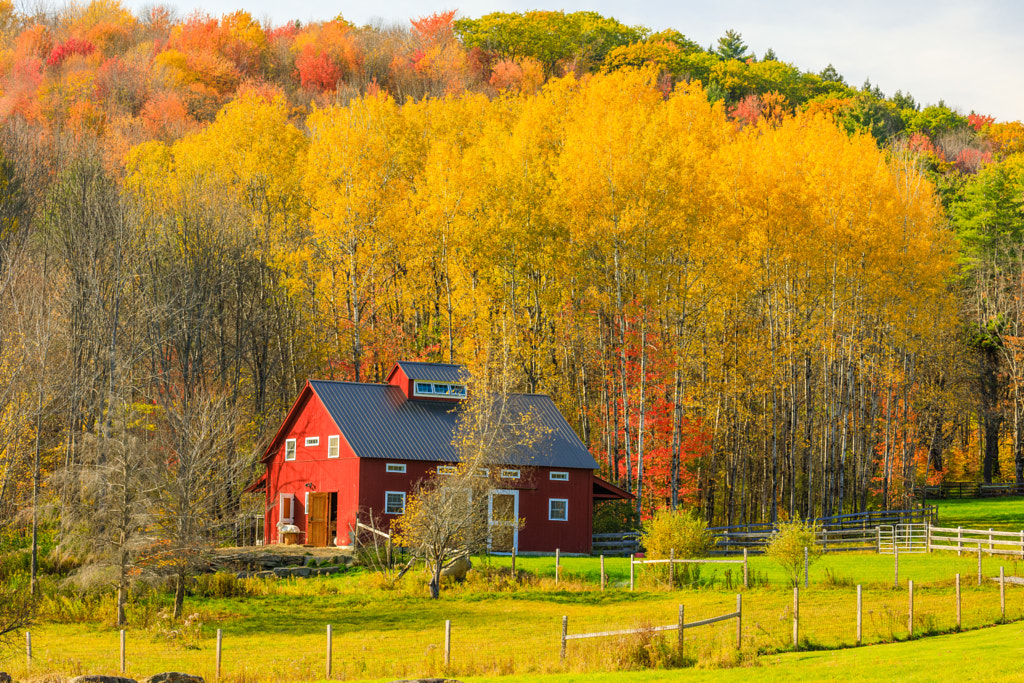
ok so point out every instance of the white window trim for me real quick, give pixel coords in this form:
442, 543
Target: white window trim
289, 445
452, 389
482, 472
558, 500
305, 502
334, 446
447, 470
558, 476
312, 440
394, 493
395, 467
510, 474
281, 518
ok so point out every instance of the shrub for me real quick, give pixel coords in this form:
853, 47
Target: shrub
683, 534
787, 548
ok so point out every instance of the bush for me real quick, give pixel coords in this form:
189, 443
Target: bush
787, 548
683, 534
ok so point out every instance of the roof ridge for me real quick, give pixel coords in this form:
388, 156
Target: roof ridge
358, 384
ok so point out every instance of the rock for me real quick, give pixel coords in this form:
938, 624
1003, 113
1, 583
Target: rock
282, 572
243, 575
5, 677
327, 571
348, 560
301, 572
426, 680
173, 677
457, 568
310, 562
101, 679
264, 575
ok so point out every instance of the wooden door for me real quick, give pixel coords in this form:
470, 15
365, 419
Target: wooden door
504, 520
317, 520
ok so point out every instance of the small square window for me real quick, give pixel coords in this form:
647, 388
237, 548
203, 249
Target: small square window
398, 468
458, 390
424, 388
483, 472
510, 474
441, 389
558, 509
333, 446
446, 470
312, 440
289, 449
559, 476
394, 502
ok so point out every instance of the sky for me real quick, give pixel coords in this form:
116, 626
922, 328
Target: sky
963, 52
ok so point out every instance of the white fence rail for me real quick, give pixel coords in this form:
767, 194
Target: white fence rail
971, 540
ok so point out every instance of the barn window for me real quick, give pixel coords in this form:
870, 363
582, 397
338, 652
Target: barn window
287, 508
559, 476
424, 388
398, 468
333, 444
289, 449
394, 502
483, 472
458, 390
446, 470
510, 474
312, 440
558, 509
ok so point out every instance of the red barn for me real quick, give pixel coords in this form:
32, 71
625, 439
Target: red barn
347, 448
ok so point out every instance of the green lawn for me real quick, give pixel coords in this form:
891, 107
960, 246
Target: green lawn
1004, 514
277, 631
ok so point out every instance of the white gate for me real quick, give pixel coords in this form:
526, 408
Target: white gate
909, 538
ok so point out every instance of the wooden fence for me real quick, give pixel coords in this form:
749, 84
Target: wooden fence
971, 489
672, 562
680, 626
976, 540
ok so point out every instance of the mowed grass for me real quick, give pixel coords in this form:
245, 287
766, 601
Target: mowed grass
511, 631
279, 632
1002, 514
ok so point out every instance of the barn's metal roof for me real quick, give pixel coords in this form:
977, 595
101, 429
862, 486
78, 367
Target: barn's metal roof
434, 372
379, 422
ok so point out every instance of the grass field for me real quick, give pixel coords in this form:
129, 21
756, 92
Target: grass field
1003, 514
275, 630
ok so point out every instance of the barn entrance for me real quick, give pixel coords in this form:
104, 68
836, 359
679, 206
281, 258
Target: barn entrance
318, 522
503, 520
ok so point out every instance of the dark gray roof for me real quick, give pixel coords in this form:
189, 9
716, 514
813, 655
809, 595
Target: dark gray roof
379, 422
434, 372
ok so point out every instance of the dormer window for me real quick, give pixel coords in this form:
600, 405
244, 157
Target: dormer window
440, 390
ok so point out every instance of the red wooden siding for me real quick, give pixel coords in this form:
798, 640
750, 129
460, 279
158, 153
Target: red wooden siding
311, 466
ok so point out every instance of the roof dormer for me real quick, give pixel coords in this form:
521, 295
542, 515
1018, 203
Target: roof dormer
430, 381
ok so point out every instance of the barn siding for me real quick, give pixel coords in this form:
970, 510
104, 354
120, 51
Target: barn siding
311, 465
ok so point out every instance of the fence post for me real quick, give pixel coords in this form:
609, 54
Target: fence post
513, 563
958, 621
990, 540
746, 572
631, 571
602, 572
796, 617
806, 576
1002, 595
895, 562
860, 614
565, 632
682, 626
825, 539
979, 563
558, 564
959, 541
330, 650
928, 539
1022, 545
448, 642
739, 621
671, 568
28, 649
220, 639
122, 650
878, 532
910, 611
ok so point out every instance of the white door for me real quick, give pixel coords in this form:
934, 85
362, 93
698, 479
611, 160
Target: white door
503, 520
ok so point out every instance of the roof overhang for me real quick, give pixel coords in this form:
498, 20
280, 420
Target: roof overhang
604, 490
258, 485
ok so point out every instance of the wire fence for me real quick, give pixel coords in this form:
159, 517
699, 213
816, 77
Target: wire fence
518, 630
